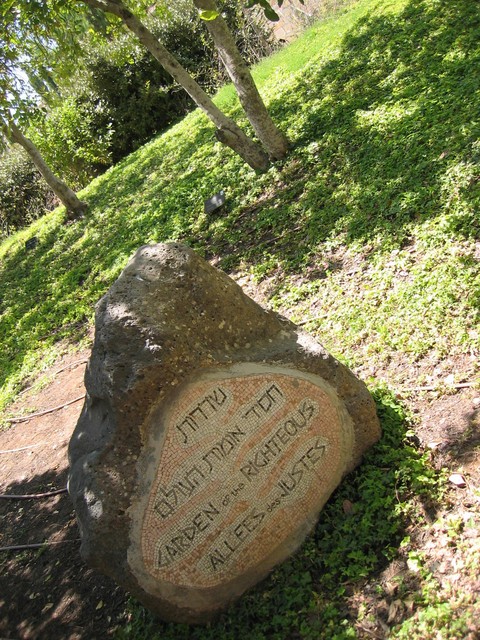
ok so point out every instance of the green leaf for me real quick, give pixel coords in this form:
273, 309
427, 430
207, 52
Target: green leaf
271, 14
7, 6
208, 15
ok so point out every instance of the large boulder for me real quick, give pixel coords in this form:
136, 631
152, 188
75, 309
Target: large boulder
212, 434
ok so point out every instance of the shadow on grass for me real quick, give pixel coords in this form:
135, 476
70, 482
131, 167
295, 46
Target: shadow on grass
387, 135
49, 593
385, 141
357, 535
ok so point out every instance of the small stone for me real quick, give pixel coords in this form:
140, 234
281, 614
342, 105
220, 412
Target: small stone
31, 243
215, 202
476, 402
458, 480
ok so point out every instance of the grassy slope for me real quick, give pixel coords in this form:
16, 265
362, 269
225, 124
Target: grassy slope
369, 231
385, 126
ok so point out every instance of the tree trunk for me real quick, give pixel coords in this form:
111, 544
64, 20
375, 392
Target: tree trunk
228, 131
274, 141
73, 205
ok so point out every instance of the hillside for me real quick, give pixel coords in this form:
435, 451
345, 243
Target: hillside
368, 235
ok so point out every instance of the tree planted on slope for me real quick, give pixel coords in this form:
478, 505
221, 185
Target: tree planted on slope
228, 132
15, 102
274, 141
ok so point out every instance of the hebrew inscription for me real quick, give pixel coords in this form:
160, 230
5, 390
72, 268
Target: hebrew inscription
241, 462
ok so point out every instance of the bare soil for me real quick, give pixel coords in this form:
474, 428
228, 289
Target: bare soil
48, 592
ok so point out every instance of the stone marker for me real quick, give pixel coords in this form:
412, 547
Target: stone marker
31, 243
215, 202
212, 435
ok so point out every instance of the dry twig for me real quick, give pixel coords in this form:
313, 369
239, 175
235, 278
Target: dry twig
30, 446
42, 413
71, 365
30, 496
312, 319
37, 545
459, 385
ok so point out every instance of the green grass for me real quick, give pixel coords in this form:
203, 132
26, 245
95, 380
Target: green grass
381, 103
369, 233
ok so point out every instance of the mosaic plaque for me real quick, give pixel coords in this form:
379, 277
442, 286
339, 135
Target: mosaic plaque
242, 460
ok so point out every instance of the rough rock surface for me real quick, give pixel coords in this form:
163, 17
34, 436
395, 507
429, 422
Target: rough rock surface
212, 434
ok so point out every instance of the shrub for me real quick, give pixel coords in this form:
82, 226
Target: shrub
24, 195
130, 95
70, 143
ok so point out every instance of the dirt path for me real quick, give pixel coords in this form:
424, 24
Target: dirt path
48, 592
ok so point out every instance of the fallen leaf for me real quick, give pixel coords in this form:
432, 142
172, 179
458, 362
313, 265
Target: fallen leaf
99, 605
443, 567
347, 507
394, 609
391, 587
48, 606
410, 604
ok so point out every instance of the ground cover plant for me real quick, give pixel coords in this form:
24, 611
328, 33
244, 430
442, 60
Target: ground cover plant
369, 235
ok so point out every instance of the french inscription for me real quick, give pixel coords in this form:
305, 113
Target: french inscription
290, 481
229, 543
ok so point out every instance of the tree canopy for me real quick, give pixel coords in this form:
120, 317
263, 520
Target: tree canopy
27, 33
60, 21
